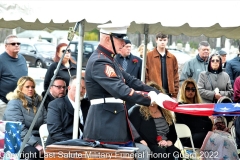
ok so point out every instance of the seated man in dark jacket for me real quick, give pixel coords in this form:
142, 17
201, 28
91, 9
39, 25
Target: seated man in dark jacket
57, 90
60, 115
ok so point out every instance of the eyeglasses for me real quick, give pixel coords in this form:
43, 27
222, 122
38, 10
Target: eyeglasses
215, 60
68, 50
14, 43
30, 87
59, 87
193, 89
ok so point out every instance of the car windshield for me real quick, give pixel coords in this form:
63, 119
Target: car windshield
45, 47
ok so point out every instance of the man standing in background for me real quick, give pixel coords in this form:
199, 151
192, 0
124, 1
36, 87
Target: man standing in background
223, 55
162, 67
195, 66
130, 63
12, 67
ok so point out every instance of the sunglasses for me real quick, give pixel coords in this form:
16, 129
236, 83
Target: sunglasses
59, 87
190, 89
14, 43
68, 50
30, 87
215, 60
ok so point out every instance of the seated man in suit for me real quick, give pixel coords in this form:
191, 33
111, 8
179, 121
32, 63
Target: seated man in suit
130, 63
61, 114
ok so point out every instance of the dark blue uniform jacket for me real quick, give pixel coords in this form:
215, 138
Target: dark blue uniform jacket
108, 122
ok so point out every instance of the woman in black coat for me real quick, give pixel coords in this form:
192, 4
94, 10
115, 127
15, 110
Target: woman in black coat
155, 126
67, 69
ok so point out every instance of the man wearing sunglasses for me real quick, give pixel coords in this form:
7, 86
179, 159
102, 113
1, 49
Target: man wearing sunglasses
12, 67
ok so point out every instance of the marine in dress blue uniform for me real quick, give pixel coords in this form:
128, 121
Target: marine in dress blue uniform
108, 85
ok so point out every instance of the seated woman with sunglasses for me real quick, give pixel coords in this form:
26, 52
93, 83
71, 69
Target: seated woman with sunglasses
67, 69
22, 107
155, 126
214, 83
199, 125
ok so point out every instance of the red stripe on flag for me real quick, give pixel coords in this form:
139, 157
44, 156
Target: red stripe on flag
203, 109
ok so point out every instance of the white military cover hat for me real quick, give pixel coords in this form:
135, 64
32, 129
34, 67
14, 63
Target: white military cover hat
116, 30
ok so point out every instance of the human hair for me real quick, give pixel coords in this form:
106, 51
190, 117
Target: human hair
56, 57
161, 35
59, 78
203, 43
144, 110
183, 98
220, 63
18, 94
9, 37
72, 78
141, 50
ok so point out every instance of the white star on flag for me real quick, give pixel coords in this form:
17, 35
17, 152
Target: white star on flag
236, 105
224, 109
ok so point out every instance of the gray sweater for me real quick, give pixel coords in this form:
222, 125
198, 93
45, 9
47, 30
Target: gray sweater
11, 69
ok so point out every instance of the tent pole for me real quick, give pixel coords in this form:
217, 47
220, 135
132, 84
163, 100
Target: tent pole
146, 28
78, 85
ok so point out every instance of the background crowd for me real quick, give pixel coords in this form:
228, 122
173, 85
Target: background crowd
204, 79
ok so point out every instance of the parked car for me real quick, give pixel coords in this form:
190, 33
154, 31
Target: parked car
88, 48
181, 56
38, 54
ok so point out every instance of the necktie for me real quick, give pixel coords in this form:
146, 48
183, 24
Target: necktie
124, 65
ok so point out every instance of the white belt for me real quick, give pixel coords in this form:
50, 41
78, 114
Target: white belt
105, 100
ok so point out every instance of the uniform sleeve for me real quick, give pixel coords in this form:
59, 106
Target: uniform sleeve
105, 75
54, 123
229, 72
48, 76
203, 91
14, 113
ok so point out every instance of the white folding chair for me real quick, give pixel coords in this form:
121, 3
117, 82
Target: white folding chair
43, 131
183, 131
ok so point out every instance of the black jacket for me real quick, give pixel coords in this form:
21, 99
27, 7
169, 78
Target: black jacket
60, 118
147, 128
63, 72
196, 124
134, 67
48, 99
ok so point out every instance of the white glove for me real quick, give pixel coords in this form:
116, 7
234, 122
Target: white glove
153, 96
216, 90
163, 97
